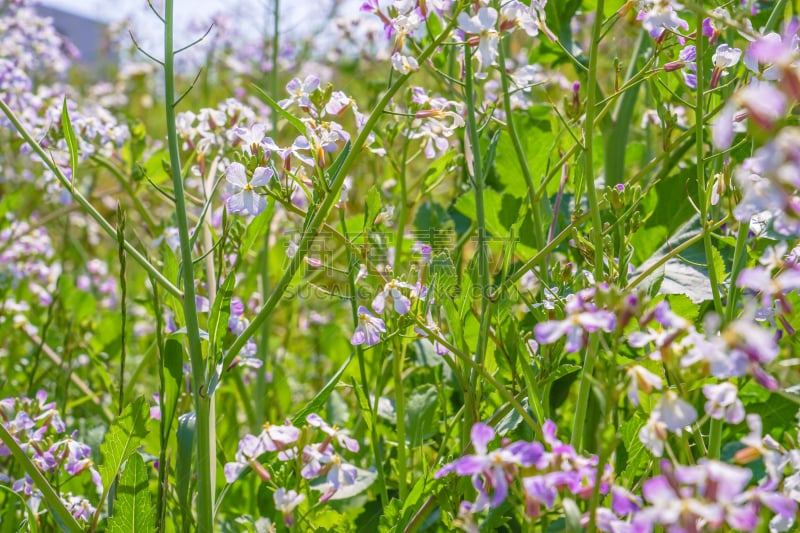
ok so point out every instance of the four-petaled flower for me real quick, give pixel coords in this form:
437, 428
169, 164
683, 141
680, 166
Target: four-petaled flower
244, 197
369, 329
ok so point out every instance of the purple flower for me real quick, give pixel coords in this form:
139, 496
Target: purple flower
402, 304
300, 92
723, 402
581, 317
250, 447
492, 471
759, 279
333, 432
369, 329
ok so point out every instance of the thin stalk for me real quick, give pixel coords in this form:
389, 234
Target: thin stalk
480, 218
85, 204
109, 165
123, 306
318, 219
276, 13
203, 467
263, 347
584, 390
738, 263
398, 358
362, 367
520, 151
699, 114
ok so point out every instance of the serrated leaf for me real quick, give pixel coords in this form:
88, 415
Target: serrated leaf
132, 508
123, 438
173, 377
637, 454
72, 142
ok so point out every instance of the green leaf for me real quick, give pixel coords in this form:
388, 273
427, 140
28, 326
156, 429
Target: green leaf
294, 121
337, 164
183, 464
636, 454
317, 402
257, 227
421, 414
132, 508
173, 377
372, 206
537, 141
220, 311
123, 438
72, 141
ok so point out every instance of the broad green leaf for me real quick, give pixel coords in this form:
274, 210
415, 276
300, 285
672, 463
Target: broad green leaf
636, 454
537, 141
72, 142
173, 378
123, 439
132, 509
422, 420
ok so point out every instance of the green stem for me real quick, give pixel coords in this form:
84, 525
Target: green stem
261, 376
203, 467
584, 390
398, 358
520, 151
85, 204
699, 114
739, 261
480, 221
362, 367
318, 219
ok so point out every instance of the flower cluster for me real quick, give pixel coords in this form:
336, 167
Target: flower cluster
700, 497
37, 427
320, 463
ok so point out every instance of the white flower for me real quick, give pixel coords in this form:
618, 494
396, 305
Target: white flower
244, 197
482, 25
674, 412
404, 64
641, 378
725, 56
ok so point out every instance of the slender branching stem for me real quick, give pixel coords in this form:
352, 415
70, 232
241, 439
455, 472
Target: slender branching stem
203, 437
